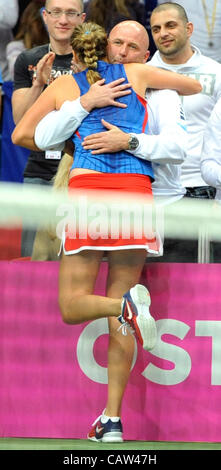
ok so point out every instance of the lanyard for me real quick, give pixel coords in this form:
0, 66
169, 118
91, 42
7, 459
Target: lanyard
210, 26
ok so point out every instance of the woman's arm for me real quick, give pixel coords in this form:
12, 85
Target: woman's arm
184, 85
62, 89
154, 77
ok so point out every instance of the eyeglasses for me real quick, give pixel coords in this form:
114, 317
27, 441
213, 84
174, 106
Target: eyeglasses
71, 14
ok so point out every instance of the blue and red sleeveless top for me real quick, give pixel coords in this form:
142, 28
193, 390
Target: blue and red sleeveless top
134, 118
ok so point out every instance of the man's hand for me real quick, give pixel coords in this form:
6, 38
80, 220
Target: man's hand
23, 98
44, 67
100, 95
75, 67
109, 141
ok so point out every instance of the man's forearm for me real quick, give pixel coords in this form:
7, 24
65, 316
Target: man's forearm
168, 147
58, 126
24, 98
87, 102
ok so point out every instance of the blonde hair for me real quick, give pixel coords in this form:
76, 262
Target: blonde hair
60, 183
89, 41
61, 178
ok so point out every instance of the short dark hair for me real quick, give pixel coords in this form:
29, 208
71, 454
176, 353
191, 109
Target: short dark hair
169, 5
81, 4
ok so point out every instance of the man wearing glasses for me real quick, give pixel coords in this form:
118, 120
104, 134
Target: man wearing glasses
36, 68
32, 66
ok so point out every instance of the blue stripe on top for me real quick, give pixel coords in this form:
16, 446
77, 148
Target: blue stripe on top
130, 119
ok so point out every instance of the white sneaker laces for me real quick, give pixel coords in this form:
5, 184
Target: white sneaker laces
125, 327
96, 420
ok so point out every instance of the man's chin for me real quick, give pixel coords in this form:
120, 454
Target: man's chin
167, 51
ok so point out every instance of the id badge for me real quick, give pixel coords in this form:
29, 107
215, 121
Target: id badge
53, 155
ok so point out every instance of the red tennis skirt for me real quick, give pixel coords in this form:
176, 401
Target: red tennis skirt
112, 212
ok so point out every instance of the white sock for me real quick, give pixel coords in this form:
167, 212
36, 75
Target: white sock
105, 418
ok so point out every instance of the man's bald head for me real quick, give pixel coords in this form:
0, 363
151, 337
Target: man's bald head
128, 42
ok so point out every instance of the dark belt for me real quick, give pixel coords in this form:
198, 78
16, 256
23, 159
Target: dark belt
201, 192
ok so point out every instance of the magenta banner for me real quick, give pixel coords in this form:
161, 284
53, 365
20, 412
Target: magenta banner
54, 376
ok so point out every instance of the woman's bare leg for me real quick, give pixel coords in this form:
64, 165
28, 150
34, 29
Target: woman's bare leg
77, 278
78, 304
125, 268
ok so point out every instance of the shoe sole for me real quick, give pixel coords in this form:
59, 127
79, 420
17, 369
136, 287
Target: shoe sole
108, 437
145, 321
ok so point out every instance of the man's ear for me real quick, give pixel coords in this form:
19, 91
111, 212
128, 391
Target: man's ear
146, 57
189, 28
83, 17
44, 16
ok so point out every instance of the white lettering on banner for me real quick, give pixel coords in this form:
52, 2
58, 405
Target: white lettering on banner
213, 329
170, 352
85, 353
163, 350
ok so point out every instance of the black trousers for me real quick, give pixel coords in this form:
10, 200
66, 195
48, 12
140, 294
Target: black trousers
186, 250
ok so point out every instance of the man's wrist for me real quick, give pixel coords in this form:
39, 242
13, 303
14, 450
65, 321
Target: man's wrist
87, 102
38, 86
133, 142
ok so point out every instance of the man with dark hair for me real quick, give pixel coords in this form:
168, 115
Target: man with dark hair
179, 8
206, 17
172, 32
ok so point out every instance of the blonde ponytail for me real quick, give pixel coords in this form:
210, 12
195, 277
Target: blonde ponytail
89, 41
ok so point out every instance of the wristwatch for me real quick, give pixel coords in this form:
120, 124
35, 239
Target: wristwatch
133, 142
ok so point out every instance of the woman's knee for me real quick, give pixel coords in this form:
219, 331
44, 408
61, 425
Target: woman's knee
68, 309
64, 306
71, 304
